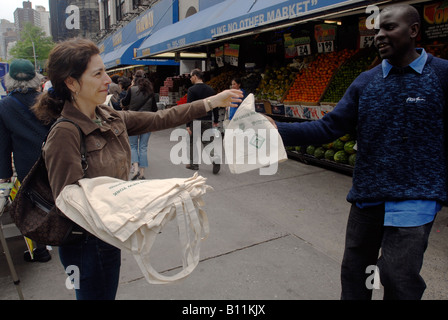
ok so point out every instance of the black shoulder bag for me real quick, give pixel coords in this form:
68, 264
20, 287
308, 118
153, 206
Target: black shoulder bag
34, 211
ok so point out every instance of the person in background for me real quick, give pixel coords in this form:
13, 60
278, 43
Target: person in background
123, 85
139, 97
21, 133
114, 90
236, 84
79, 91
398, 187
200, 91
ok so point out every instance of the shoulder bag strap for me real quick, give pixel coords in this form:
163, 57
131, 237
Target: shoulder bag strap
83, 143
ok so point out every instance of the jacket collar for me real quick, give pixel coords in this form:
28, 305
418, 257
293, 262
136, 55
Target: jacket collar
85, 123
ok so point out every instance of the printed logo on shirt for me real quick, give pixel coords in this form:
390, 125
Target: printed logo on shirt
415, 100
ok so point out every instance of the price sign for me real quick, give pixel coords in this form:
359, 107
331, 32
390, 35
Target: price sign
325, 47
304, 50
366, 41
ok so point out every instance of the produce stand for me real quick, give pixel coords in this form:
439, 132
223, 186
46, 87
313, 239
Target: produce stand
300, 72
309, 159
323, 163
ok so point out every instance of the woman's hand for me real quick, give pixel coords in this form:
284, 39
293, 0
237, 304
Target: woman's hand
224, 98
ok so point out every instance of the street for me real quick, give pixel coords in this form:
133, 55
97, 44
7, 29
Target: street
278, 237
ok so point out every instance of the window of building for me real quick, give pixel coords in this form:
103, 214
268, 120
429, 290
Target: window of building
106, 9
136, 3
120, 9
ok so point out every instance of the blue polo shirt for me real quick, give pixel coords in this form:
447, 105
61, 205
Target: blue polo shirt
409, 213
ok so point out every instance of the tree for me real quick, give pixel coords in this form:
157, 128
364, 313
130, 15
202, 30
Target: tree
24, 47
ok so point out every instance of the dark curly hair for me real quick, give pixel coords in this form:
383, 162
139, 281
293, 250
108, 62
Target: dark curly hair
67, 59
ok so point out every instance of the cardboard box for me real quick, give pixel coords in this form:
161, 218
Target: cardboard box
278, 109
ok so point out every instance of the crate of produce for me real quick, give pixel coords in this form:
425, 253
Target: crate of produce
347, 73
310, 84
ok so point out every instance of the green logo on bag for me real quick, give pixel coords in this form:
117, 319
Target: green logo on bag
257, 141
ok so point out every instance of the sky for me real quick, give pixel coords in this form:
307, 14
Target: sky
8, 7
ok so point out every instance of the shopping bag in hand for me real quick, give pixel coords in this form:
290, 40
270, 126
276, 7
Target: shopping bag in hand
252, 142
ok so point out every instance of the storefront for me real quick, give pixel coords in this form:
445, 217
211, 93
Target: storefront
297, 57
120, 49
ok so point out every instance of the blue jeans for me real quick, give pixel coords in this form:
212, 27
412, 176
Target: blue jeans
99, 267
139, 149
401, 259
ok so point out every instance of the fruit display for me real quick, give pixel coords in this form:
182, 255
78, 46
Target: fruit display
346, 74
275, 82
224, 79
309, 85
437, 49
342, 150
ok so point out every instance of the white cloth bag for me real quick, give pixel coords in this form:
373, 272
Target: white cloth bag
130, 214
252, 142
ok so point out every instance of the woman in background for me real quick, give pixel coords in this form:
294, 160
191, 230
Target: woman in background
139, 97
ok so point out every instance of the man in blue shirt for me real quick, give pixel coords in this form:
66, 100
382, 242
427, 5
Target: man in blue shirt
397, 111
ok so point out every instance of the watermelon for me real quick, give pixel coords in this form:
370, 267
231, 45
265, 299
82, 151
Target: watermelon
346, 138
348, 147
329, 154
352, 159
297, 148
328, 145
319, 153
341, 157
338, 144
310, 150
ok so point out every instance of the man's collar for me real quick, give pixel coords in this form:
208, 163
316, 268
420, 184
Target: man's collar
417, 65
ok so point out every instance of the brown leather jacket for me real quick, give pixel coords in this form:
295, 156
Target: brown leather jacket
108, 150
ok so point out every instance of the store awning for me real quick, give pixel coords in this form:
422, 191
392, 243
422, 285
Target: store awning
231, 17
125, 55
115, 58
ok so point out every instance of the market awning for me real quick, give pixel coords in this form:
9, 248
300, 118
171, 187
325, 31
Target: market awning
125, 55
231, 17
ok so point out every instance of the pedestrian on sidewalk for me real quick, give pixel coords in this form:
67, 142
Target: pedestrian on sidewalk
21, 132
397, 111
140, 97
200, 91
79, 91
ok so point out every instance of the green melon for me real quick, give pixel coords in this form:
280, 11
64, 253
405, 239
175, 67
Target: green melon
341, 157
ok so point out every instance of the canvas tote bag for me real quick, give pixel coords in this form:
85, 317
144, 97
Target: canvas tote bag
251, 141
130, 214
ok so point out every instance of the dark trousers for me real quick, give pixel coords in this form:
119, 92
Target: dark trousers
399, 265
99, 267
195, 152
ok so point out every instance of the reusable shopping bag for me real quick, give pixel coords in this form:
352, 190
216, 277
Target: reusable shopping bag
252, 142
130, 214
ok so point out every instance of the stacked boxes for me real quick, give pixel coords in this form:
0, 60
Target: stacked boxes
171, 91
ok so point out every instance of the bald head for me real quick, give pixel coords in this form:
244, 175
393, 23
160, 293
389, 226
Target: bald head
409, 12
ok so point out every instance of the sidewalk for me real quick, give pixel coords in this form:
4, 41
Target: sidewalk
271, 237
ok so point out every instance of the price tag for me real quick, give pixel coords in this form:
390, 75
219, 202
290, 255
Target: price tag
325, 47
304, 50
366, 41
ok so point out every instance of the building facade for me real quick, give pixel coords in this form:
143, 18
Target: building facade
74, 18
8, 34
